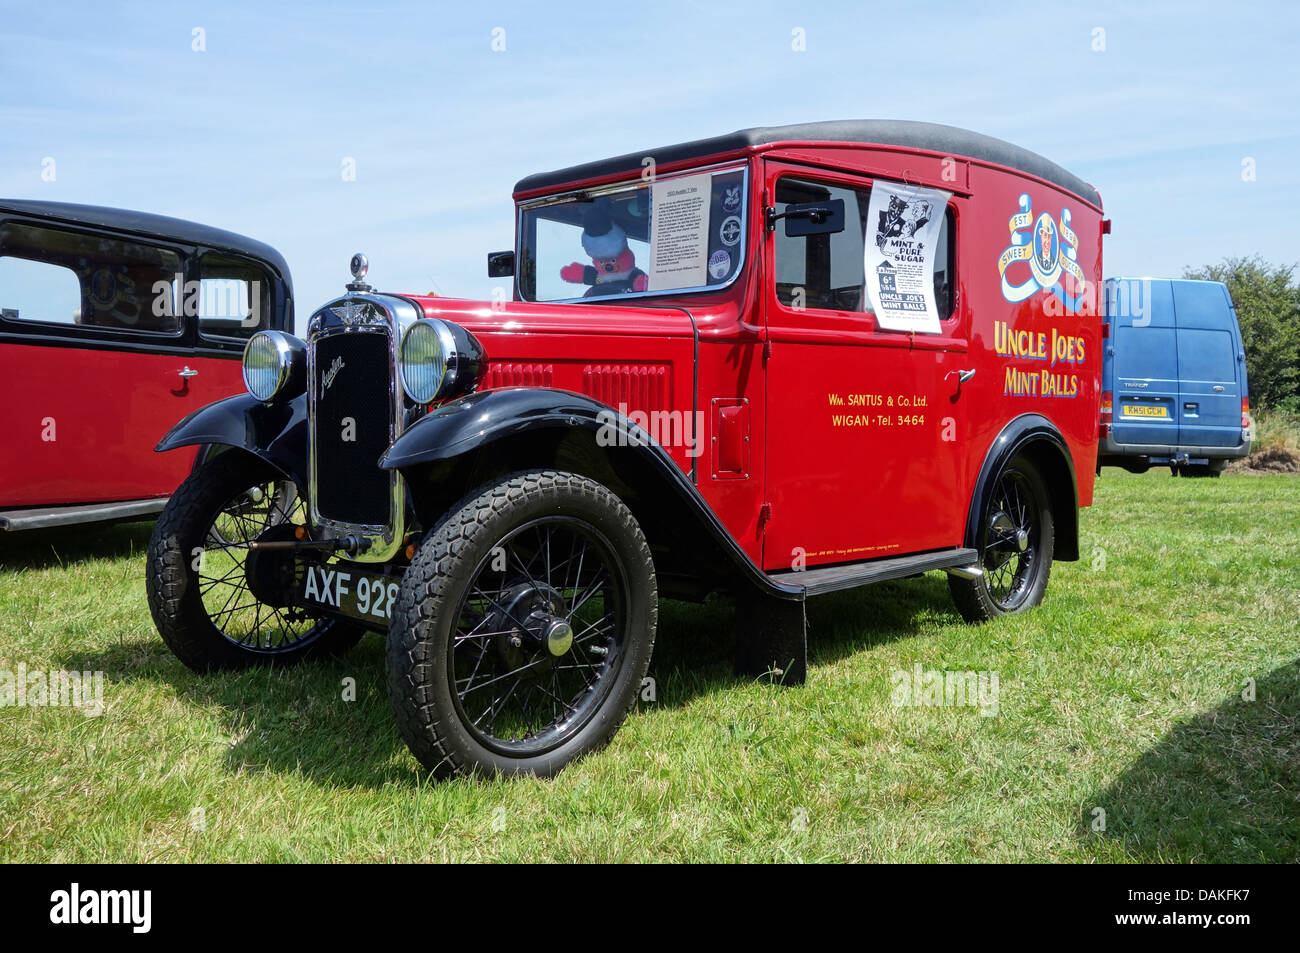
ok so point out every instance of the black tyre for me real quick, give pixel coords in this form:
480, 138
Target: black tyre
197, 577
523, 628
1015, 544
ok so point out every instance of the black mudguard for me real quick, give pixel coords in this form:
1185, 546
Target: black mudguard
275, 432
1037, 432
484, 418
771, 636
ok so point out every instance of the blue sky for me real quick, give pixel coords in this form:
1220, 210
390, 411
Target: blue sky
251, 133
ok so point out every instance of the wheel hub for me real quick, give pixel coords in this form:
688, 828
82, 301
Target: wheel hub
532, 627
1003, 530
559, 637
272, 574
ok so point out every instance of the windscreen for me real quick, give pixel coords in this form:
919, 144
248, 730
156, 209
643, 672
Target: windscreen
670, 235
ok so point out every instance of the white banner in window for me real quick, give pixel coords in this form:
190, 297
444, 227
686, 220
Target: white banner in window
903, 225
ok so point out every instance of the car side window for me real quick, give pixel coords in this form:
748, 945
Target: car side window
825, 271
121, 285
38, 291
234, 297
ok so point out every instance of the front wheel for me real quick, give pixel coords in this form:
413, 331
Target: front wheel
523, 628
207, 589
1015, 545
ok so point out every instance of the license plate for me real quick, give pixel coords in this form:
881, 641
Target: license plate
365, 596
1145, 410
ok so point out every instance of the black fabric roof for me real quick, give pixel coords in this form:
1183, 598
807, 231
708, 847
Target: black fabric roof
946, 140
148, 225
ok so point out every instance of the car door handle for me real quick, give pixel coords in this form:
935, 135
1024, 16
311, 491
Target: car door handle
962, 376
187, 373
1218, 388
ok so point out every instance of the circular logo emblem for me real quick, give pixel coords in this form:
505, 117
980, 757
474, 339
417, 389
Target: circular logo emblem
731, 198
729, 231
103, 289
1045, 262
719, 264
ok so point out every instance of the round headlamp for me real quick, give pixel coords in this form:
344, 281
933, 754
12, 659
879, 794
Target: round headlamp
427, 352
270, 361
438, 360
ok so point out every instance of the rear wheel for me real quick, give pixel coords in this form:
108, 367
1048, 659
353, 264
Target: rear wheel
1015, 545
523, 628
211, 604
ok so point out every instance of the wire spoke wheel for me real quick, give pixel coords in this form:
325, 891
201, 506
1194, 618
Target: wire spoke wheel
217, 603
523, 628
223, 570
1012, 540
1015, 544
538, 635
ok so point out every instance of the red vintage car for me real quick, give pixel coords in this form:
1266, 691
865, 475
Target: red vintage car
774, 364
113, 324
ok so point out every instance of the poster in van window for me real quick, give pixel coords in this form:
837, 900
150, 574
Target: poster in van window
679, 232
903, 225
1050, 251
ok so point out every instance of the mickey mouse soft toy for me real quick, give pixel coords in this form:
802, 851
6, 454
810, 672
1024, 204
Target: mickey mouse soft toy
613, 267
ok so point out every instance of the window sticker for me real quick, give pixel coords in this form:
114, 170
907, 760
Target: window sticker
679, 232
903, 224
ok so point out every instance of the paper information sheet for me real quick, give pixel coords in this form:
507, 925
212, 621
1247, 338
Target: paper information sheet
679, 233
903, 225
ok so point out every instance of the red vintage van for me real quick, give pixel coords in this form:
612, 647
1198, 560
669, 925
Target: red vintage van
777, 363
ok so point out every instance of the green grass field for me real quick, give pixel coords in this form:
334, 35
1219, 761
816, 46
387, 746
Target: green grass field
1123, 692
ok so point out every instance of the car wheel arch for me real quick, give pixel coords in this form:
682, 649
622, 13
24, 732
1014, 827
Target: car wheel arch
1036, 438
688, 540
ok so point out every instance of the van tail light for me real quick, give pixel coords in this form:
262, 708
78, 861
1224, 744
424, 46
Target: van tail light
1245, 413
1107, 414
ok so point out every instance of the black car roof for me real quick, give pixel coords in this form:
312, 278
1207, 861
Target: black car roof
946, 140
148, 225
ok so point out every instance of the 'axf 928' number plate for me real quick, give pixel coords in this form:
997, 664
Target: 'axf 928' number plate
368, 597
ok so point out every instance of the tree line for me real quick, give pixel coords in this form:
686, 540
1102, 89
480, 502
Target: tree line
1267, 299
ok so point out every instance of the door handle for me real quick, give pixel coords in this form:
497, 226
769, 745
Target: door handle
962, 376
187, 373
1218, 388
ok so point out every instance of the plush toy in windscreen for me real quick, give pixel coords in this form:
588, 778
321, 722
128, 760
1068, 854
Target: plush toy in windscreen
613, 267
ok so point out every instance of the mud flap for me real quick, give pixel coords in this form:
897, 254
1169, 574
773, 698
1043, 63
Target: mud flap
771, 639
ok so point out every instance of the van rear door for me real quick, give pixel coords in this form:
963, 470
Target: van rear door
1209, 399
1145, 386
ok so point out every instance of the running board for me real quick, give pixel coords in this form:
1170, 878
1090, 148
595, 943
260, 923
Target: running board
816, 582
47, 516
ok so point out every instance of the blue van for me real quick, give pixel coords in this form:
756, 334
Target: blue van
1173, 377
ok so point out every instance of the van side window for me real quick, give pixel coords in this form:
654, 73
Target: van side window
120, 285
826, 271
234, 297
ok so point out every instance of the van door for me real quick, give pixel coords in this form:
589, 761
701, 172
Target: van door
862, 430
1145, 386
1209, 398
